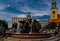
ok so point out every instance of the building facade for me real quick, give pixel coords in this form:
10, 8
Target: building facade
16, 19
54, 16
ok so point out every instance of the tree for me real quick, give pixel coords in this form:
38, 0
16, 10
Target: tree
52, 25
4, 24
59, 25
3, 27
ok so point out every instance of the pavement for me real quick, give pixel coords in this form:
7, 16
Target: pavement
54, 38
14, 39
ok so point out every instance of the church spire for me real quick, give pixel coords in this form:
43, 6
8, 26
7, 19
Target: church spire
53, 4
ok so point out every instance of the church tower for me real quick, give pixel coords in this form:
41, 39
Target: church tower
53, 10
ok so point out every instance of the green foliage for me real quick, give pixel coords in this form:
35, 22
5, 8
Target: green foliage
59, 25
4, 24
3, 27
52, 25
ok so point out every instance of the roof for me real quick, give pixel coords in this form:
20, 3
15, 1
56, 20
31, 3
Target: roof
55, 20
59, 16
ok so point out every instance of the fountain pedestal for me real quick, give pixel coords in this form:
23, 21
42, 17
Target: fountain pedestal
30, 36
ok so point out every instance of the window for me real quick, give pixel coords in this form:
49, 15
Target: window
53, 12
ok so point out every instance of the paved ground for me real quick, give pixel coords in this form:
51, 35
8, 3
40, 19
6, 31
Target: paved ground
54, 38
14, 39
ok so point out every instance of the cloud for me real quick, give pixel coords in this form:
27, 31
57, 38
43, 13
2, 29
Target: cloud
2, 6
12, 10
40, 13
35, 12
21, 15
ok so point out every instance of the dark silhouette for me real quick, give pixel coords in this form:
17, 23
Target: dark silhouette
14, 25
25, 28
52, 25
36, 27
4, 24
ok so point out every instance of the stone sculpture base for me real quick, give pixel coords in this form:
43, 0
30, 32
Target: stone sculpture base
30, 36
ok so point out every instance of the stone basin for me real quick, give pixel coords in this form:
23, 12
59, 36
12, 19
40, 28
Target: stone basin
30, 36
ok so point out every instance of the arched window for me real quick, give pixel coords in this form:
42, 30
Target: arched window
53, 12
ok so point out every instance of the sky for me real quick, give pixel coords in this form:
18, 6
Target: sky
18, 8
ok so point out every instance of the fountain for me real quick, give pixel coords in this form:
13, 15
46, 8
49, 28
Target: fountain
18, 29
29, 29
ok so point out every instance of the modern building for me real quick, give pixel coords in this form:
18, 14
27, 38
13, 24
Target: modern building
55, 17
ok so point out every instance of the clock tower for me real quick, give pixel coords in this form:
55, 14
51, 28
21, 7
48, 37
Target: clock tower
53, 10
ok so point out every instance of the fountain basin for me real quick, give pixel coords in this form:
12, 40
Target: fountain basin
30, 36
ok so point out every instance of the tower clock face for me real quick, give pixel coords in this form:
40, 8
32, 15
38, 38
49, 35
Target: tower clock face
53, 12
